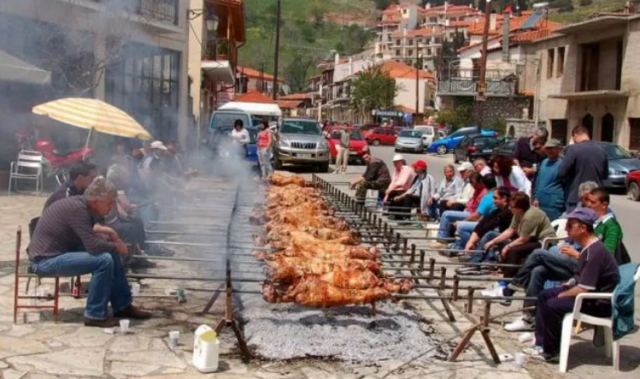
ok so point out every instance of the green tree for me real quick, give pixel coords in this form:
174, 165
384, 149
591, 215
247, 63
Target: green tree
383, 4
297, 71
457, 117
372, 89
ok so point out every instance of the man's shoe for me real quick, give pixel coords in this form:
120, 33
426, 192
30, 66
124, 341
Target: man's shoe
134, 313
438, 245
107, 323
495, 291
519, 325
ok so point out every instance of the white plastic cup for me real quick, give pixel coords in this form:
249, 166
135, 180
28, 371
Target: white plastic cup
124, 326
135, 289
520, 359
174, 336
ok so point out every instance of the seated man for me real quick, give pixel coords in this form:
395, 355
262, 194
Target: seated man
529, 227
490, 226
81, 175
53, 252
419, 192
401, 181
448, 190
597, 272
122, 217
560, 263
470, 213
376, 176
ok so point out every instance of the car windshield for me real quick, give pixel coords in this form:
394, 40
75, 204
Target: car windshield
615, 152
427, 131
300, 127
356, 136
411, 134
226, 120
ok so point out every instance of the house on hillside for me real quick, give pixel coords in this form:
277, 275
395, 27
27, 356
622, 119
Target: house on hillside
249, 79
296, 104
508, 93
588, 74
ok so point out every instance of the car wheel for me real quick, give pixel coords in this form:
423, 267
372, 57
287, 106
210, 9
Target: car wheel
634, 192
375, 142
442, 150
324, 167
277, 163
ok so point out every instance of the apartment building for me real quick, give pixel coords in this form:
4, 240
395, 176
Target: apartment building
588, 74
133, 54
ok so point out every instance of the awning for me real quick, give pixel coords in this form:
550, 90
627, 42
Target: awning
591, 95
218, 71
13, 69
258, 109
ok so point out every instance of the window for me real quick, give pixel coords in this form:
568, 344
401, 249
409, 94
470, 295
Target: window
397, 52
634, 133
409, 52
559, 130
550, 59
410, 41
560, 70
398, 42
607, 128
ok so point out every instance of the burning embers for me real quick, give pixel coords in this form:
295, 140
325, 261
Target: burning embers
321, 262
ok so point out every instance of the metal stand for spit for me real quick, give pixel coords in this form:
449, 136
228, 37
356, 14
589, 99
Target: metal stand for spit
229, 320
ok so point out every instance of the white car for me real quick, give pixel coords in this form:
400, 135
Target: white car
428, 133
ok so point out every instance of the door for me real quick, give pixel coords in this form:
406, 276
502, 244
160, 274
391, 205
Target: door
607, 128
559, 130
389, 136
587, 122
634, 134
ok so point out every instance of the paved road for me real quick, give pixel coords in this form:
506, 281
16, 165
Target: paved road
626, 210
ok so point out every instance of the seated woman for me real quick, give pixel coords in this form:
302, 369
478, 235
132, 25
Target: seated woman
419, 192
510, 175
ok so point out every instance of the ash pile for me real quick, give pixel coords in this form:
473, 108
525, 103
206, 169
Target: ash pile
345, 332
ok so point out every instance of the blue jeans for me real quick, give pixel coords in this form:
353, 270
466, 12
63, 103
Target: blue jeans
486, 256
447, 219
540, 266
464, 229
108, 281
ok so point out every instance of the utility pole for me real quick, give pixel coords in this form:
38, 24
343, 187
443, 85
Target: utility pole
415, 120
277, 52
482, 74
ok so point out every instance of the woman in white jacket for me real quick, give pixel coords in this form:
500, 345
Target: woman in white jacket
510, 175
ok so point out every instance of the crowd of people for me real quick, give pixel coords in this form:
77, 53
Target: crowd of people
506, 211
95, 220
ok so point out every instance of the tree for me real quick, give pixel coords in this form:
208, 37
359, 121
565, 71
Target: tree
372, 89
297, 71
457, 117
383, 4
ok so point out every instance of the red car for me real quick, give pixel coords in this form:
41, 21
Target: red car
632, 182
382, 136
357, 145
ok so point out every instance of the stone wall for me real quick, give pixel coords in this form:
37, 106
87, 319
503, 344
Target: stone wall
500, 109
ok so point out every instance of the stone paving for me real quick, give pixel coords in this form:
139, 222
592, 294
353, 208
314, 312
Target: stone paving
38, 347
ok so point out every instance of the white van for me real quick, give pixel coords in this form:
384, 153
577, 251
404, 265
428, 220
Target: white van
428, 134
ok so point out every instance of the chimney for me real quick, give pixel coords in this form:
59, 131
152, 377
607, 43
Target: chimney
336, 59
427, 6
493, 21
505, 37
350, 66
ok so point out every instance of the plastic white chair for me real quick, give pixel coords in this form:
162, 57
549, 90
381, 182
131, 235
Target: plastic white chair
28, 166
560, 227
611, 347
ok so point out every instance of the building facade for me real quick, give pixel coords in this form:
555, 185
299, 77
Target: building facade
589, 74
132, 54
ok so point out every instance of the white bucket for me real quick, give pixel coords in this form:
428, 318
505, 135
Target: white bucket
206, 349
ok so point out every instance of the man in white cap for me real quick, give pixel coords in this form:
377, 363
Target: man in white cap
401, 178
150, 165
460, 202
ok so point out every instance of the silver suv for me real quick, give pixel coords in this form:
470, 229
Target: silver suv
300, 141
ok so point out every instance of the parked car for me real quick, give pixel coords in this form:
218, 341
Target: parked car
632, 183
475, 146
300, 141
357, 146
428, 133
621, 162
220, 127
382, 136
444, 145
410, 140
507, 148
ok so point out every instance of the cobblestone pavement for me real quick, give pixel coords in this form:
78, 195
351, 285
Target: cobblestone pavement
38, 347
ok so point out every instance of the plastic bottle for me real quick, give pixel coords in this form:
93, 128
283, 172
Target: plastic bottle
206, 349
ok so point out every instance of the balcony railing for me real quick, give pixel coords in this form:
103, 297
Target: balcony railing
159, 10
465, 83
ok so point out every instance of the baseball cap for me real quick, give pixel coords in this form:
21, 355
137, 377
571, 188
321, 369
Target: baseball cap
552, 143
419, 165
158, 145
398, 157
585, 215
464, 166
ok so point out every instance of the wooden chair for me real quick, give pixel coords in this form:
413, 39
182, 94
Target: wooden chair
24, 272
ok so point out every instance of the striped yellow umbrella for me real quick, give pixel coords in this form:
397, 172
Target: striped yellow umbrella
93, 114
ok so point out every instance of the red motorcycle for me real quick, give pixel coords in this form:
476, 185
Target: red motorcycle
58, 164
